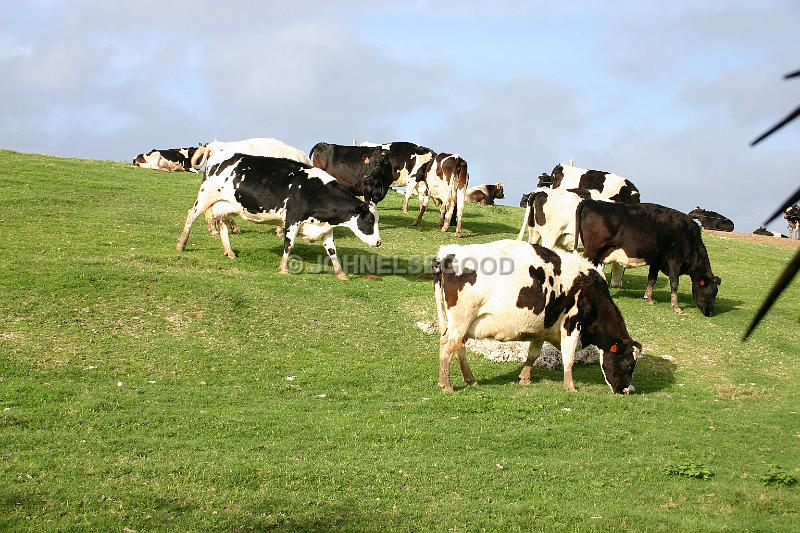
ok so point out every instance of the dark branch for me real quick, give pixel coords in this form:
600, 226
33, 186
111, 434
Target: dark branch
782, 282
790, 117
792, 199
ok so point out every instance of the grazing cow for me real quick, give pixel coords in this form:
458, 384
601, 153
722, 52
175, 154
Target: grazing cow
445, 180
172, 159
792, 216
346, 164
513, 291
610, 186
303, 199
550, 216
711, 219
485, 194
648, 234
265, 146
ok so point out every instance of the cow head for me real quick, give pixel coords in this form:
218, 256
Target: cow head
618, 361
498, 191
523, 202
704, 290
545, 180
378, 175
364, 223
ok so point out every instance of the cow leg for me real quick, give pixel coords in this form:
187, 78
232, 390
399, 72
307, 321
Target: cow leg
411, 187
466, 371
674, 275
652, 275
569, 343
460, 201
446, 211
223, 235
423, 206
234, 227
330, 247
191, 216
288, 244
446, 348
525, 224
534, 351
617, 271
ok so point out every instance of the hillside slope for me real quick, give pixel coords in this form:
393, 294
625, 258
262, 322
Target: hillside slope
155, 390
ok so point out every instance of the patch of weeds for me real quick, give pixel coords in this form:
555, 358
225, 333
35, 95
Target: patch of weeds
775, 476
691, 469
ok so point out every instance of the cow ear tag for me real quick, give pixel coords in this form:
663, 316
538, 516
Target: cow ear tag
614, 348
366, 160
702, 282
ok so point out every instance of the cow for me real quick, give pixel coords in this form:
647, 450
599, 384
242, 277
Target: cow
265, 146
635, 235
711, 219
610, 186
761, 230
171, 159
445, 180
303, 199
550, 216
513, 291
485, 194
792, 216
346, 164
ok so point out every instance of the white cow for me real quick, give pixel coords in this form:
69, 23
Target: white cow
266, 146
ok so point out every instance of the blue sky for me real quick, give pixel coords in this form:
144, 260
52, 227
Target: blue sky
667, 94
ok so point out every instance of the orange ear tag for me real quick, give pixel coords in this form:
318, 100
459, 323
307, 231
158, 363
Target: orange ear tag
366, 160
701, 282
614, 348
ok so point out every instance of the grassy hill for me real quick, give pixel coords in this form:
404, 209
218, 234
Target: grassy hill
148, 389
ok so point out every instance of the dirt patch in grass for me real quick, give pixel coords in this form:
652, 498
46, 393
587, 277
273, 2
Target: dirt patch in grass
763, 239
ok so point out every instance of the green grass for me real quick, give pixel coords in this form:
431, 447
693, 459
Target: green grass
147, 389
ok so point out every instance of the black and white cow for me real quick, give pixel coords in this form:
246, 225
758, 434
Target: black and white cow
303, 199
550, 216
170, 159
445, 180
265, 146
485, 194
792, 216
711, 219
347, 163
513, 291
610, 186
761, 230
635, 235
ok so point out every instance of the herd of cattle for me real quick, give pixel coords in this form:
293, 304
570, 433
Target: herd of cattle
552, 294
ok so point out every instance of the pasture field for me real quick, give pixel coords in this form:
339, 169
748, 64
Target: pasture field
153, 390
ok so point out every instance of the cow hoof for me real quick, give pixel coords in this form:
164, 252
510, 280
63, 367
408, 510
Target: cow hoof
648, 301
342, 276
230, 255
415, 223
525, 381
283, 271
179, 247
236, 230
678, 310
474, 384
447, 389
616, 285
458, 234
214, 233
570, 388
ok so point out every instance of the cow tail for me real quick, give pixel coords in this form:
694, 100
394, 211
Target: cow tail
524, 221
202, 151
578, 224
438, 289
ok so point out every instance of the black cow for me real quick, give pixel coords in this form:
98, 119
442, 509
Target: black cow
346, 164
761, 230
303, 199
648, 234
711, 219
792, 216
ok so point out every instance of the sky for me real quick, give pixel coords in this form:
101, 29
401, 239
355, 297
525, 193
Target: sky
667, 94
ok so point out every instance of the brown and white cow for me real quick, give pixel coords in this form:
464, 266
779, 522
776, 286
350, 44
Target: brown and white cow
792, 216
485, 194
635, 235
445, 180
514, 291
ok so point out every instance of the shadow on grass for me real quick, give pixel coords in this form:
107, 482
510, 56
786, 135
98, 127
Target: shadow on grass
686, 301
652, 374
472, 225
